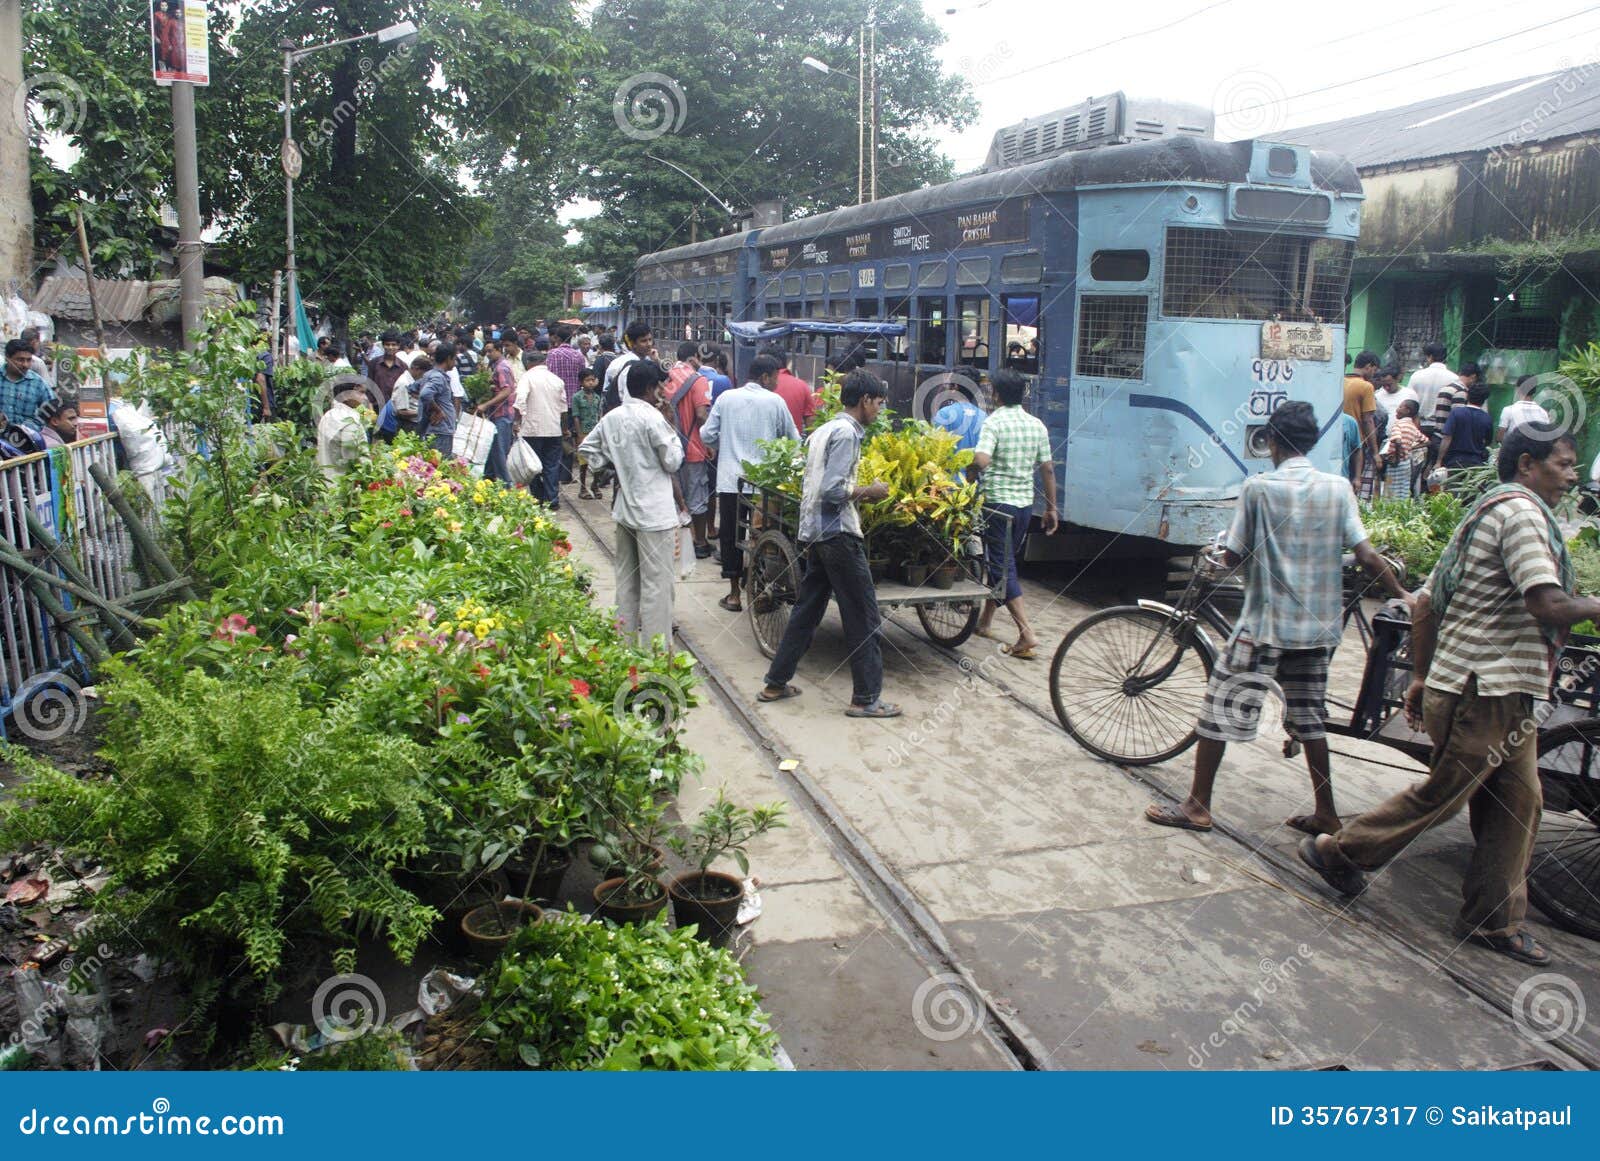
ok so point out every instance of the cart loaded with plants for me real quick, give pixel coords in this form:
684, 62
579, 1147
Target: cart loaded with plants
924, 541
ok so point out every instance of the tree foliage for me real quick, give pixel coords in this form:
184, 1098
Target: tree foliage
392, 136
745, 117
520, 264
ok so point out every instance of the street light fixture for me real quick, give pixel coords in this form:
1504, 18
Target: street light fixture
866, 109
402, 33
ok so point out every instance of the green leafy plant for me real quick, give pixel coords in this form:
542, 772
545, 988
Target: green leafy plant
1414, 530
236, 820
574, 995
725, 829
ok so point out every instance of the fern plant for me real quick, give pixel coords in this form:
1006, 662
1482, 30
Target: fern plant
237, 820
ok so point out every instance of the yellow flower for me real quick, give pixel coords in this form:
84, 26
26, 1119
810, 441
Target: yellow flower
481, 630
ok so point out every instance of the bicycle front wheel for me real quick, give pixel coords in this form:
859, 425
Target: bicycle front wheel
1126, 688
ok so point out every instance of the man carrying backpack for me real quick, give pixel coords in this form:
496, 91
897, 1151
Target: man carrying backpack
689, 397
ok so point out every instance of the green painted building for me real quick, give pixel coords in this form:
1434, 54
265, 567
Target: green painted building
1481, 227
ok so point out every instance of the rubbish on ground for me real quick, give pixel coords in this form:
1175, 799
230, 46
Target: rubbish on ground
48, 952
1195, 875
440, 989
750, 905
25, 892
789, 764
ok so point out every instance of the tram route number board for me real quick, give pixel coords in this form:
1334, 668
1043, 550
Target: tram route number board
1312, 342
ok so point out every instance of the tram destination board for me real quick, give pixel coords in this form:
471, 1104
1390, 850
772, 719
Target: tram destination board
1295, 340
986, 224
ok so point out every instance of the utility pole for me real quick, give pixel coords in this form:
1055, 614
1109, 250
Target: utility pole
191, 250
16, 203
872, 85
861, 114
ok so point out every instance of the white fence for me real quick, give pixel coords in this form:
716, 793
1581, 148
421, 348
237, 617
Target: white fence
57, 489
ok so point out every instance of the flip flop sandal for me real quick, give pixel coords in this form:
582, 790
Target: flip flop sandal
1344, 880
1012, 651
731, 605
1521, 946
784, 694
878, 709
1304, 824
1164, 815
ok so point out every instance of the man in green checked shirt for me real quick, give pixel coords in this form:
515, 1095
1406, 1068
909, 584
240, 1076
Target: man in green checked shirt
1012, 447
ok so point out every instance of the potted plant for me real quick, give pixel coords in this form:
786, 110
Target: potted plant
631, 861
710, 899
490, 927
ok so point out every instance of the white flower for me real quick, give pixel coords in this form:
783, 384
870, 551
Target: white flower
656, 774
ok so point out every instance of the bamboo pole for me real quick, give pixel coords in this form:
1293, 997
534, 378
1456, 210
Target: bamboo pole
82, 587
88, 282
92, 649
142, 538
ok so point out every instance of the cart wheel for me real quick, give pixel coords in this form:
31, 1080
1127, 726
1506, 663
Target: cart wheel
1564, 873
772, 578
1126, 689
949, 623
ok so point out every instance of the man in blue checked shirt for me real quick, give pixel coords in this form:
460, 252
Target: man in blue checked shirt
836, 556
1290, 531
22, 391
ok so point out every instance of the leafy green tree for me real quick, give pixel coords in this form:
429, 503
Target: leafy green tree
392, 136
732, 104
521, 263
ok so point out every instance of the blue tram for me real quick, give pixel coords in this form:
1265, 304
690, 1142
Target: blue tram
1163, 295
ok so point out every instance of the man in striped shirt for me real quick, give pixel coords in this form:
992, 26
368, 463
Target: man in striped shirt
1485, 636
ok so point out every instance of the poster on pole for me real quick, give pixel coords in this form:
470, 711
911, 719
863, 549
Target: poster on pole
178, 50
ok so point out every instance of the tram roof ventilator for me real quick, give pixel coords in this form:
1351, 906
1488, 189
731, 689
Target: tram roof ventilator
1097, 122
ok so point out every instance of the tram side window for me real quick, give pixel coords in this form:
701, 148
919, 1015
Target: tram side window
1120, 265
791, 310
931, 331
897, 276
868, 345
973, 320
1111, 332
1023, 347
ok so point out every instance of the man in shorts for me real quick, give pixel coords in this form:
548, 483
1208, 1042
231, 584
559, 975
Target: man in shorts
1289, 531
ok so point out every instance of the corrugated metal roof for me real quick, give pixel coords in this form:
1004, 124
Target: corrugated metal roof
65, 295
1511, 113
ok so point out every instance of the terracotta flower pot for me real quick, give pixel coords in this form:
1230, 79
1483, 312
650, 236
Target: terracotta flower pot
710, 901
490, 927
612, 904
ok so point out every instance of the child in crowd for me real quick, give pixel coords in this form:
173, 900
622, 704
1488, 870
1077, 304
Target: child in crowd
585, 414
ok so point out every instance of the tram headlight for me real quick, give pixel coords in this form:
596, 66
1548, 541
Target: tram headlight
1255, 442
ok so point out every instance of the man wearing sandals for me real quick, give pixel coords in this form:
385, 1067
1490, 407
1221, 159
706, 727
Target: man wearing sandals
1290, 530
1485, 635
836, 558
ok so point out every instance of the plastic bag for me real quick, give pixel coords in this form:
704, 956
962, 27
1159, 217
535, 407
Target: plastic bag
142, 438
683, 548
473, 439
522, 463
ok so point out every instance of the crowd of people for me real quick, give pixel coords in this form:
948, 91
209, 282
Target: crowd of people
1401, 441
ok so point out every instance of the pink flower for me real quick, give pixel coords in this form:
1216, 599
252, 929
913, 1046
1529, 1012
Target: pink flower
234, 626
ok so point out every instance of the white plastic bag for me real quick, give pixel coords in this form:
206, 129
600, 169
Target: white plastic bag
522, 462
473, 439
143, 441
683, 548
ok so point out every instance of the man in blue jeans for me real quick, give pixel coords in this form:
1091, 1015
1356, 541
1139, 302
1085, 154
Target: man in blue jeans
836, 558
436, 405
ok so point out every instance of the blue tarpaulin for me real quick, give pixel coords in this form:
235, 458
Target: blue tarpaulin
754, 332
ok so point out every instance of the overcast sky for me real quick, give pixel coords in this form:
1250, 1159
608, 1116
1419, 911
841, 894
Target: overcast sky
1262, 65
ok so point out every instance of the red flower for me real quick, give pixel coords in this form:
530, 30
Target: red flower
481, 670
405, 511
561, 547
580, 688
387, 524
633, 675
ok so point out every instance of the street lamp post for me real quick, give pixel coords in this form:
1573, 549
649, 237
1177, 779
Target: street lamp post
866, 121
404, 31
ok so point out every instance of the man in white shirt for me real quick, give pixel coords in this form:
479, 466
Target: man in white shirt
342, 432
1428, 378
740, 419
1523, 410
637, 443
1390, 395
541, 402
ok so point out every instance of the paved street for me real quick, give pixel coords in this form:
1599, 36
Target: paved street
974, 834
